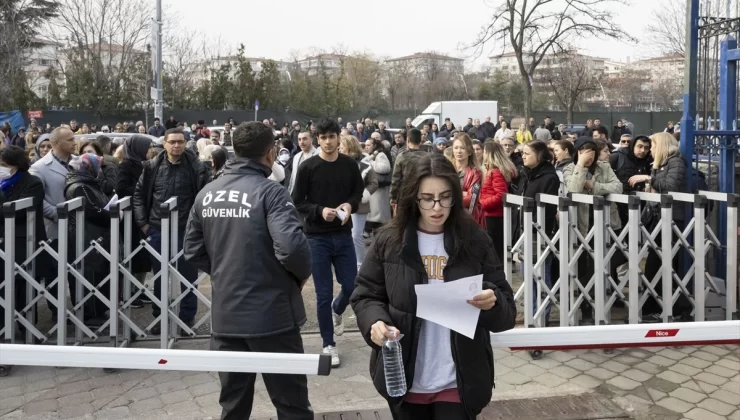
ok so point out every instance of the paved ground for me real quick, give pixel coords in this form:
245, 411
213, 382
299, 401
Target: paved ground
671, 384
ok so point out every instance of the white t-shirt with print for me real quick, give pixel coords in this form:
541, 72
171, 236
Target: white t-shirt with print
435, 368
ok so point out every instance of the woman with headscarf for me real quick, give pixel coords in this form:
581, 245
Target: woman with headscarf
42, 147
83, 180
135, 149
108, 181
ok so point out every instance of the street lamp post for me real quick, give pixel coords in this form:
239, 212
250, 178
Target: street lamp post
157, 95
290, 89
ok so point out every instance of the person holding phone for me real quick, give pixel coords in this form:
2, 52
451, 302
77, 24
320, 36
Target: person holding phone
328, 189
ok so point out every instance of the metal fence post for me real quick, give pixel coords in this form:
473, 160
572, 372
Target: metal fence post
633, 257
164, 278
80, 247
539, 273
700, 203
114, 257
666, 253
527, 209
30, 250
166, 209
599, 243
9, 213
564, 245
733, 200
125, 206
572, 247
175, 286
508, 234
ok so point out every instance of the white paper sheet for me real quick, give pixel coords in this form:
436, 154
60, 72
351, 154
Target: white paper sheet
113, 201
446, 304
341, 215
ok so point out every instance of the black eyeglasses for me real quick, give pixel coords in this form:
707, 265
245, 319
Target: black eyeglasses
429, 203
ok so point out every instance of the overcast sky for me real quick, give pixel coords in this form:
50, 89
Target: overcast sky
274, 28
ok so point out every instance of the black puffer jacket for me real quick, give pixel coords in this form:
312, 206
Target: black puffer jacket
384, 291
182, 180
540, 180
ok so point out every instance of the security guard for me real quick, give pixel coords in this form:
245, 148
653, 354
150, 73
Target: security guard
244, 231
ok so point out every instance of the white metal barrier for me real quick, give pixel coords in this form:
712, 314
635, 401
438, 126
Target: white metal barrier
158, 359
536, 246
70, 350
567, 244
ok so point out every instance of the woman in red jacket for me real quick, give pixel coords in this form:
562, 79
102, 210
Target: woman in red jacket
500, 172
463, 157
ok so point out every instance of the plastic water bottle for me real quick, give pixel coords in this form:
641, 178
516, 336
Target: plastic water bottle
395, 376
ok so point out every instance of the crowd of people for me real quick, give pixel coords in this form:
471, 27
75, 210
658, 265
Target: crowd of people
306, 202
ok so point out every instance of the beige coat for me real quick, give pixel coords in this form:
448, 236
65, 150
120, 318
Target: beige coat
605, 182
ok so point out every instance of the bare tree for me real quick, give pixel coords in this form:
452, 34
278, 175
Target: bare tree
667, 93
363, 77
104, 61
667, 31
180, 73
19, 24
534, 28
630, 88
570, 77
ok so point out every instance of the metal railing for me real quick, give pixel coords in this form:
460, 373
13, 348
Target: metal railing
117, 291
667, 239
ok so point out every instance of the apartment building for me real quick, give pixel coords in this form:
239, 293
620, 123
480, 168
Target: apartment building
426, 61
41, 64
315, 65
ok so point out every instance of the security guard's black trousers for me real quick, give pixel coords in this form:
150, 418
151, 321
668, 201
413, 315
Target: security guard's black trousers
289, 393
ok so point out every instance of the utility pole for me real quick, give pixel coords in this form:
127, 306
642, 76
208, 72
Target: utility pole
157, 95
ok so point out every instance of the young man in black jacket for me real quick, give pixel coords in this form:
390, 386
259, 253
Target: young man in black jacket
246, 234
328, 189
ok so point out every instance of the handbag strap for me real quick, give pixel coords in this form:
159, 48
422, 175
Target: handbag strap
92, 203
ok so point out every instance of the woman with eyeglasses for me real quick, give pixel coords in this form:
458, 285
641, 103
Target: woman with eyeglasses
432, 240
509, 146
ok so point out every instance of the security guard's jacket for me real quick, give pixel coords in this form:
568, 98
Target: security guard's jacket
245, 232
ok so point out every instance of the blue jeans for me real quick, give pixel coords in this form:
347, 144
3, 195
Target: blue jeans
329, 250
189, 304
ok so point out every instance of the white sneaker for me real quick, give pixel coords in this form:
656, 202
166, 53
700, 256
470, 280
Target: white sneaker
334, 353
338, 322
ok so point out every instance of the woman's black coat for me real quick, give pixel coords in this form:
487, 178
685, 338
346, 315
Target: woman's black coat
384, 291
126, 179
